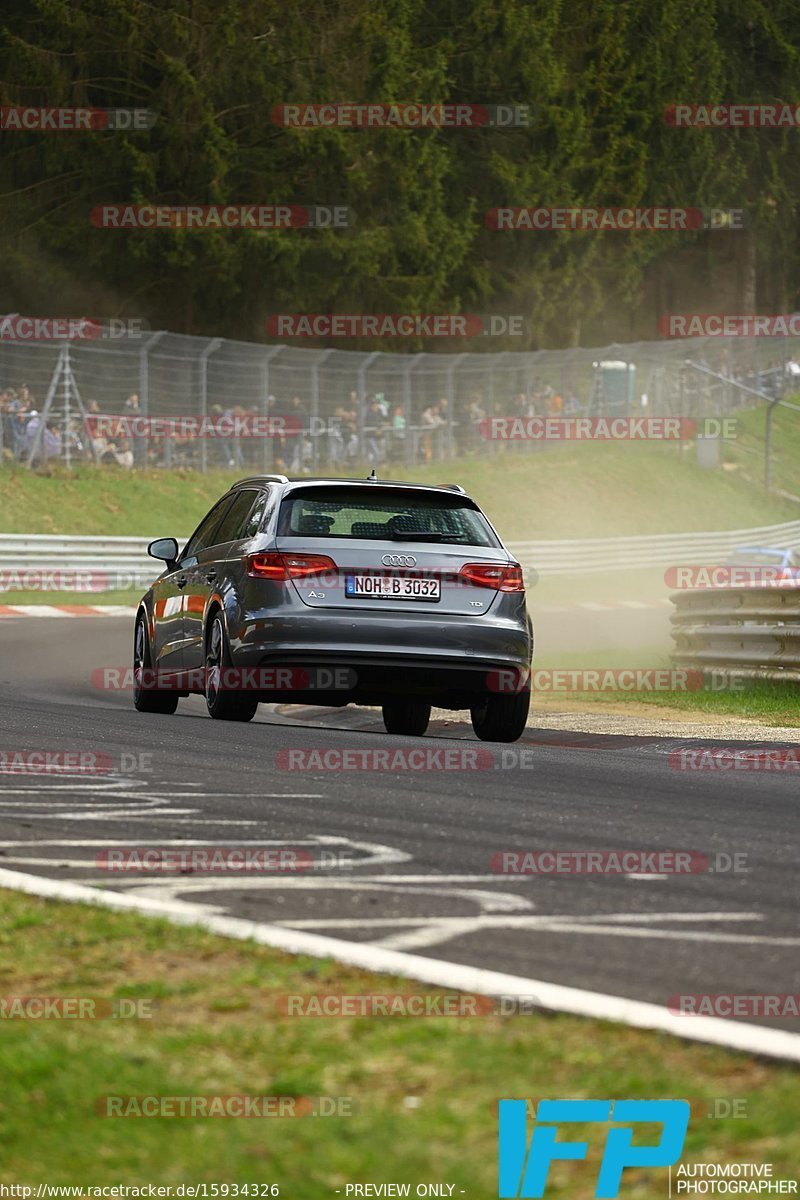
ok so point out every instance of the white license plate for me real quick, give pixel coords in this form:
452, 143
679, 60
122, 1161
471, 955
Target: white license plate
391, 587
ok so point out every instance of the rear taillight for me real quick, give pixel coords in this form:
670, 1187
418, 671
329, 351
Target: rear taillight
494, 575
282, 567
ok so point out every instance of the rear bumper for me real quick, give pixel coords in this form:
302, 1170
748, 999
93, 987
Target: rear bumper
448, 660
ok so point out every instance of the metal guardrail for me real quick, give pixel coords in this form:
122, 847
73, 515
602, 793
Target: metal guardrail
90, 564
588, 556
750, 632
118, 557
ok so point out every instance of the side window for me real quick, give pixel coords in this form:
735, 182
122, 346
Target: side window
203, 535
233, 523
256, 516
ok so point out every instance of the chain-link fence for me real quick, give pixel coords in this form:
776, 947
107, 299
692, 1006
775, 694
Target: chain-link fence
205, 403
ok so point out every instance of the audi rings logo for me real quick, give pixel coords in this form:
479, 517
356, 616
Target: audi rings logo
399, 560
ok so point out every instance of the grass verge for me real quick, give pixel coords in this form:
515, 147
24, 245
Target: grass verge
423, 1089
776, 704
576, 491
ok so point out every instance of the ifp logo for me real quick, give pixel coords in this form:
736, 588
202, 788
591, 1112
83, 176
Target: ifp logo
523, 1170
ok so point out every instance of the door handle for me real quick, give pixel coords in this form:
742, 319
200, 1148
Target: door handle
181, 581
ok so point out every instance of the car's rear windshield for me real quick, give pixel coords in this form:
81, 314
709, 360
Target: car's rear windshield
756, 557
386, 515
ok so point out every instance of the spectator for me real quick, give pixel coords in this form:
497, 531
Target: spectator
398, 432
19, 416
374, 429
431, 421
132, 408
49, 440
5, 424
343, 436
471, 437
297, 426
519, 406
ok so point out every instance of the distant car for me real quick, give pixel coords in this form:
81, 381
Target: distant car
787, 562
404, 590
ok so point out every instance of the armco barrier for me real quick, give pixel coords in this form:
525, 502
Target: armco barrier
112, 562
585, 557
121, 555
753, 632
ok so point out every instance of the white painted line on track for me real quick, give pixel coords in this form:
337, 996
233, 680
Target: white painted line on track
734, 1035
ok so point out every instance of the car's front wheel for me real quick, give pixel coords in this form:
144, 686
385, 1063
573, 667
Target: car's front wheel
501, 718
409, 717
146, 697
223, 702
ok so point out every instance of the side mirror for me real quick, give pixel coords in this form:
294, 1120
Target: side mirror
165, 549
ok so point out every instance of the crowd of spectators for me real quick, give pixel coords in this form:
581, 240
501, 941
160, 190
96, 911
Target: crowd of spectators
368, 428
21, 429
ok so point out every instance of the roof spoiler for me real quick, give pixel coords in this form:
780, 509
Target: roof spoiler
261, 479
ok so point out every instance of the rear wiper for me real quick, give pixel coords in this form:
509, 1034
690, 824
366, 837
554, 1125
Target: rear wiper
410, 536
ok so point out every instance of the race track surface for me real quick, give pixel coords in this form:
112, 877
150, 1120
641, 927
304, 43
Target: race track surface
420, 843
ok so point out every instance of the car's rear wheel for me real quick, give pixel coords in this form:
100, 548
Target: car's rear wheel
223, 703
501, 718
409, 717
146, 698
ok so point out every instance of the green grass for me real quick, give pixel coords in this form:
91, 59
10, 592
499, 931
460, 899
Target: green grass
588, 490
747, 449
772, 704
424, 1090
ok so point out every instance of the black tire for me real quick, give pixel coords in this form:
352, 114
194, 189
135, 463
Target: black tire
223, 704
148, 699
501, 718
410, 717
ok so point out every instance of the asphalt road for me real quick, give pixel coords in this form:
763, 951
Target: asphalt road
420, 843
